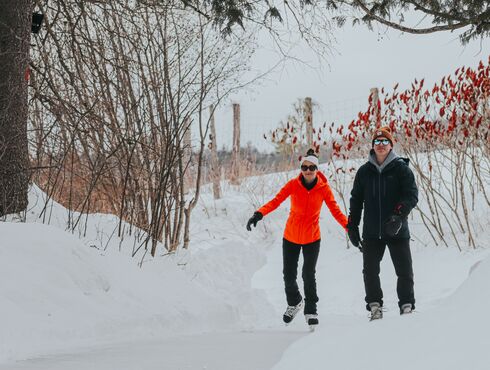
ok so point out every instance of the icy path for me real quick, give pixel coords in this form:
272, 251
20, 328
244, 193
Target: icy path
258, 350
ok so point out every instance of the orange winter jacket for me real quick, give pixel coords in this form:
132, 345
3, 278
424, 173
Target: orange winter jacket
303, 226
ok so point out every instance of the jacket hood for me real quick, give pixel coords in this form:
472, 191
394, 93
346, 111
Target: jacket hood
390, 158
322, 179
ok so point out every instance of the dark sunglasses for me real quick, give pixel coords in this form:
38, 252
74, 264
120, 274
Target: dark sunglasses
382, 141
311, 167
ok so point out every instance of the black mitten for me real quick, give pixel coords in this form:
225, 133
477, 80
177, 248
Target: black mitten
253, 220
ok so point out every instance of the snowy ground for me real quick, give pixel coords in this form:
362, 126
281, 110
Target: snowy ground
83, 303
233, 350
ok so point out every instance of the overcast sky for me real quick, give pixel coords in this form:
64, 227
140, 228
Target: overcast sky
363, 59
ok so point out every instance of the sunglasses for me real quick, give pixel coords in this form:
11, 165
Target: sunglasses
382, 141
311, 167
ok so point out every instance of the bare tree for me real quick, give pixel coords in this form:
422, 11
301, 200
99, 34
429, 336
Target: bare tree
117, 87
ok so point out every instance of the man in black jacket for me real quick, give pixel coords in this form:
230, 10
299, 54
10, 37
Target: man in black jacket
385, 187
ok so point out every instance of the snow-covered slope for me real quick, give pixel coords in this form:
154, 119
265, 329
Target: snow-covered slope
64, 290
58, 293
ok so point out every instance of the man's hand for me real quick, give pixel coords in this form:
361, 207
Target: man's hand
353, 232
354, 236
393, 225
253, 220
401, 210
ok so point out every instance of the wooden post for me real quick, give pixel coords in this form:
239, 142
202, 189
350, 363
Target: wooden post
235, 159
375, 104
215, 170
308, 111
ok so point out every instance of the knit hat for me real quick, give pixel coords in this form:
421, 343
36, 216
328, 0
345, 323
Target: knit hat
310, 157
385, 132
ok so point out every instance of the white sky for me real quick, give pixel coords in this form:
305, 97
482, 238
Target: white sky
363, 59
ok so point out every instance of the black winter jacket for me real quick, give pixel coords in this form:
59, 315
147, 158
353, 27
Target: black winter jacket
380, 193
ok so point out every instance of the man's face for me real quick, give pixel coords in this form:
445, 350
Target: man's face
382, 146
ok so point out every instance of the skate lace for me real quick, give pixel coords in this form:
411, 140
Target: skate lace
376, 312
291, 310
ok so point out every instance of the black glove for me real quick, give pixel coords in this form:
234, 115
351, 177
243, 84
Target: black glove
354, 236
253, 220
393, 225
353, 232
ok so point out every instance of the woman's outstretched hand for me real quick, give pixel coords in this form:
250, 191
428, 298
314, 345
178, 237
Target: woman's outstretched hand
253, 220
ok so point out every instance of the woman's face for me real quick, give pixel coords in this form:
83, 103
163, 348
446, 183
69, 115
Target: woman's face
308, 173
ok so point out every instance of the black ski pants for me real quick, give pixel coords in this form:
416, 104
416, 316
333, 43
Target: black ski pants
290, 253
373, 251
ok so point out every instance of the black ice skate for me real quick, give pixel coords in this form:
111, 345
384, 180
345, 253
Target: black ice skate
291, 312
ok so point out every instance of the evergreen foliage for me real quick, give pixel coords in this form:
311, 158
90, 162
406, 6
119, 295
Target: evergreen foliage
472, 16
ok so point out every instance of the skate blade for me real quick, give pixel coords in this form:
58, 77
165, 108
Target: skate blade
312, 328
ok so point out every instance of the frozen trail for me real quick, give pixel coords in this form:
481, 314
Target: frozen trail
258, 350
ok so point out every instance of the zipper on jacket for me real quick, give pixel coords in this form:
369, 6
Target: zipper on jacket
303, 229
379, 199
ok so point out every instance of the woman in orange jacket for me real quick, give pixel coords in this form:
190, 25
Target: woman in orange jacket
308, 191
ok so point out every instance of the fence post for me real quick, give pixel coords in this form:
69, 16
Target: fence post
235, 159
308, 111
215, 170
375, 105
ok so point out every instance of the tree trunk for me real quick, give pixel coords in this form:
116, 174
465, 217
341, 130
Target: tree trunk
15, 28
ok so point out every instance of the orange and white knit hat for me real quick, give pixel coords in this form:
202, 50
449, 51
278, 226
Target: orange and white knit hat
385, 132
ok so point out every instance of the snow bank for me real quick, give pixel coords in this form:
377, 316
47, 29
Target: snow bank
57, 293
63, 290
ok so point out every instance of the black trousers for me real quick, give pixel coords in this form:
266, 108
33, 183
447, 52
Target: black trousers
290, 253
373, 251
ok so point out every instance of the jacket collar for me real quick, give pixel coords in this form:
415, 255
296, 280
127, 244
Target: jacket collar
322, 180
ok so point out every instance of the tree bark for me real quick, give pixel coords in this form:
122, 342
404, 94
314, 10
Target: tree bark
15, 28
